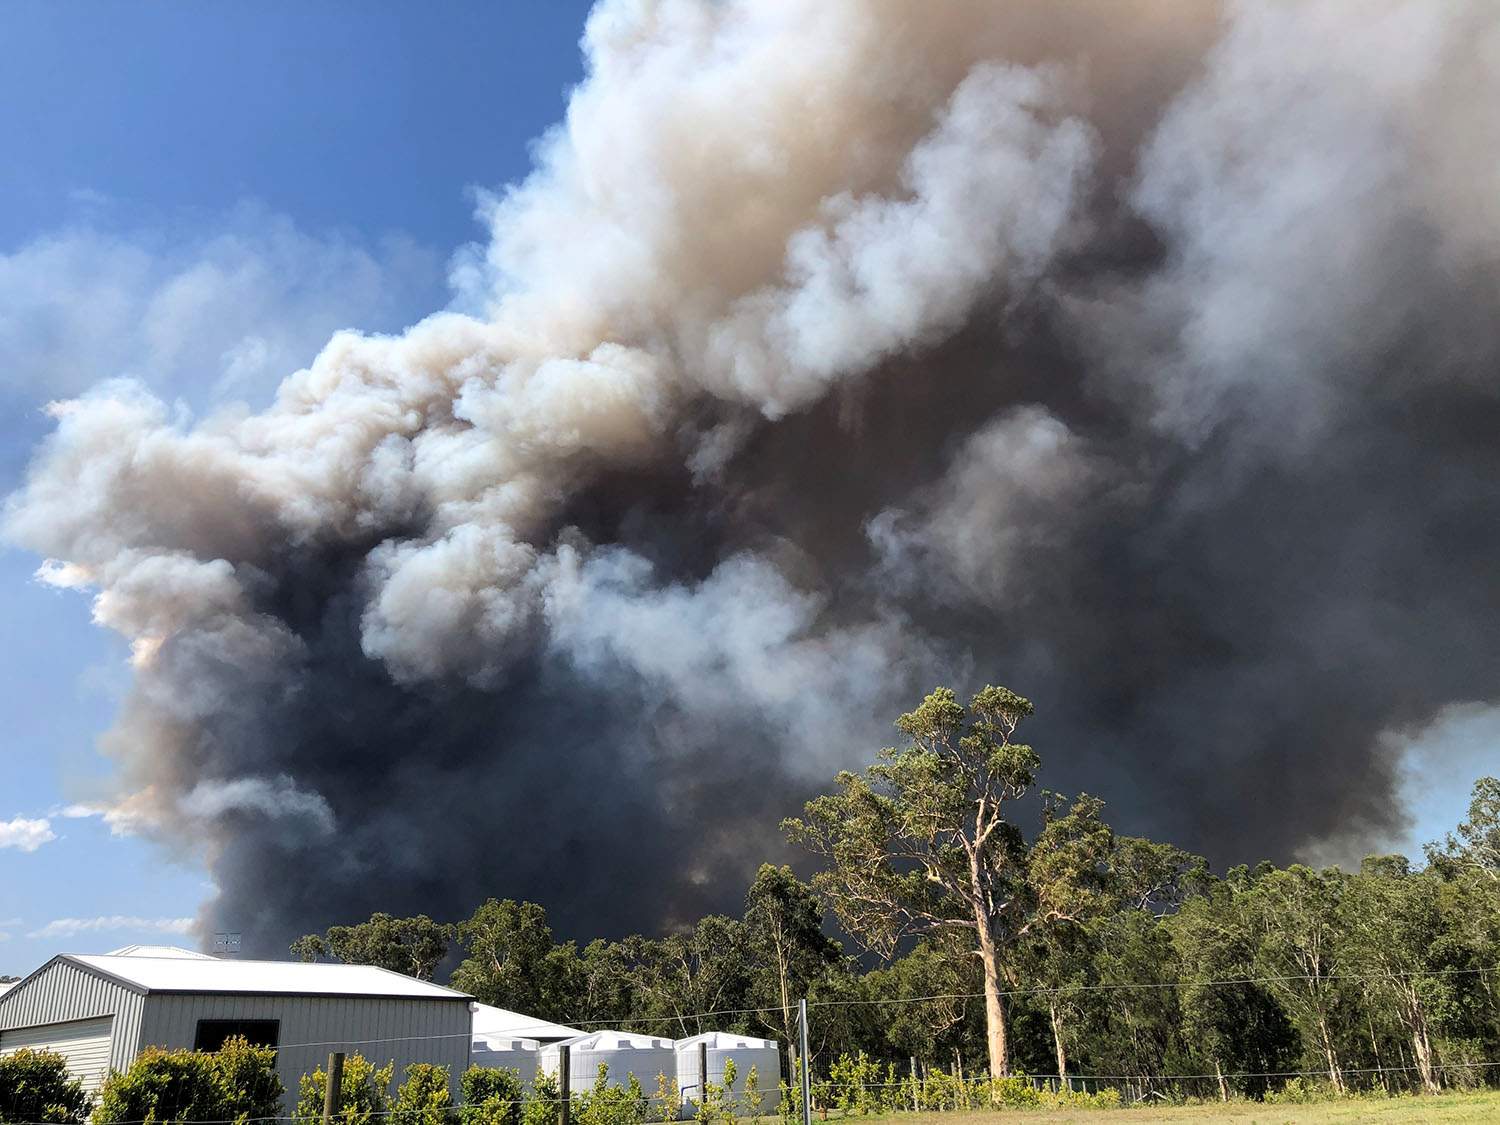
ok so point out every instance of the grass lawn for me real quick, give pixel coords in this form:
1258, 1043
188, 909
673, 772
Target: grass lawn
1483, 1106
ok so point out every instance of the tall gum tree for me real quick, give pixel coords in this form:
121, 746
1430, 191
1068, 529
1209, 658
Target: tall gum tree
923, 842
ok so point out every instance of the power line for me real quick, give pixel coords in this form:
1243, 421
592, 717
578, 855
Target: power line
685, 1017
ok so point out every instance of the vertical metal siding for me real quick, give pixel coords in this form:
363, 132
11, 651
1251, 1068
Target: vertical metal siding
63, 992
85, 1044
408, 1030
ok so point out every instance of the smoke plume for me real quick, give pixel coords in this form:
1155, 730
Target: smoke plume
1137, 355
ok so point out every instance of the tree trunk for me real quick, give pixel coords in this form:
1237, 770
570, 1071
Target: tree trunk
1223, 1085
994, 1004
1057, 1043
1335, 1074
1421, 1044
1375, 1046
1423, 1048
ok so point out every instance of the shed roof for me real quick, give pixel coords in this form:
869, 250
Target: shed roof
290, 978
492, 1022
160, 951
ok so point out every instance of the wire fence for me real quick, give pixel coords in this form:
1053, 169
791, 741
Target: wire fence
931, 1088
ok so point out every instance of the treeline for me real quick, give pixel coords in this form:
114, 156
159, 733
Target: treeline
1075, 952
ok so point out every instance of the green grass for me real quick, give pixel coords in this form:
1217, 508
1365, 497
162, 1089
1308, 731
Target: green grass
1483, 1106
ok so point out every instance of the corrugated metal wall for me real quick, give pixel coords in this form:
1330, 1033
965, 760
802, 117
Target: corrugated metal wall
63, 991
83, 1043
408, 1031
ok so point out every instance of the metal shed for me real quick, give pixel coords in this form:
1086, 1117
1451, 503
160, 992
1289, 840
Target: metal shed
100, 1011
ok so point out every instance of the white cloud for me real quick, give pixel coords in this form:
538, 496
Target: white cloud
219, 315
69, 927
26, 834
6, 925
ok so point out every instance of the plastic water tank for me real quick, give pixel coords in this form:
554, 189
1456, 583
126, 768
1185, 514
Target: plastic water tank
519, 1055
624, 1053
763, 1054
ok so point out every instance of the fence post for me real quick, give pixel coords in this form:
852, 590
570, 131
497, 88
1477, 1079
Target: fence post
806, 1070
564, 1086
702, 1074
333, 1088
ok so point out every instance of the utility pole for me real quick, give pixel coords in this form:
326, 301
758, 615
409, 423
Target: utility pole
806, 1070
564, 1086
334, 1086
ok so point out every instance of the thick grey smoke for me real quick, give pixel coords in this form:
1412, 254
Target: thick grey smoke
1140, 356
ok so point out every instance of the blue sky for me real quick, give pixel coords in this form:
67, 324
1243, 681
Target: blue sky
198, 195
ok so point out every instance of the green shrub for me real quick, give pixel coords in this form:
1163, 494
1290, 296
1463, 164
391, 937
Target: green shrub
939, 1090
252, 1088
238, 1082
35, 1086
715, 1102
753, 1100
1016, 1092
364, 1092
1299, 1091
666, 1103
607, 1104
491, 1096
542, 1106
789, 1109
859, 1085
424, 1098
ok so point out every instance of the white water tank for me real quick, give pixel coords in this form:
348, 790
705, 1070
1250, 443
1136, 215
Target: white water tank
624, 1053
499, 1051
763, 1054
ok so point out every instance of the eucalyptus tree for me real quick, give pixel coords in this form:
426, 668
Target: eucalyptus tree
784, 932
1393, 925
413, 946
512, 961
1298, 949
1475, 845
925, 842
1229, 1018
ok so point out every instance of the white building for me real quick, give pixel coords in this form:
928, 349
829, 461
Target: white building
100, 1011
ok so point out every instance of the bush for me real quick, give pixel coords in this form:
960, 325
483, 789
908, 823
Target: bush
542, 1106
607, 1104
424, 1098
1299, 1091
491, 1096
667, 1101
753, 1100
239, 1082
363, 1092
35, 1086
861, 1085
252, 1088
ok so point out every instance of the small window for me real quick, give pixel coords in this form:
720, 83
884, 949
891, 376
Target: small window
213, 1033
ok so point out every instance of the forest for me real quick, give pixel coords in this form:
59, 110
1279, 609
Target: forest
937, 930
